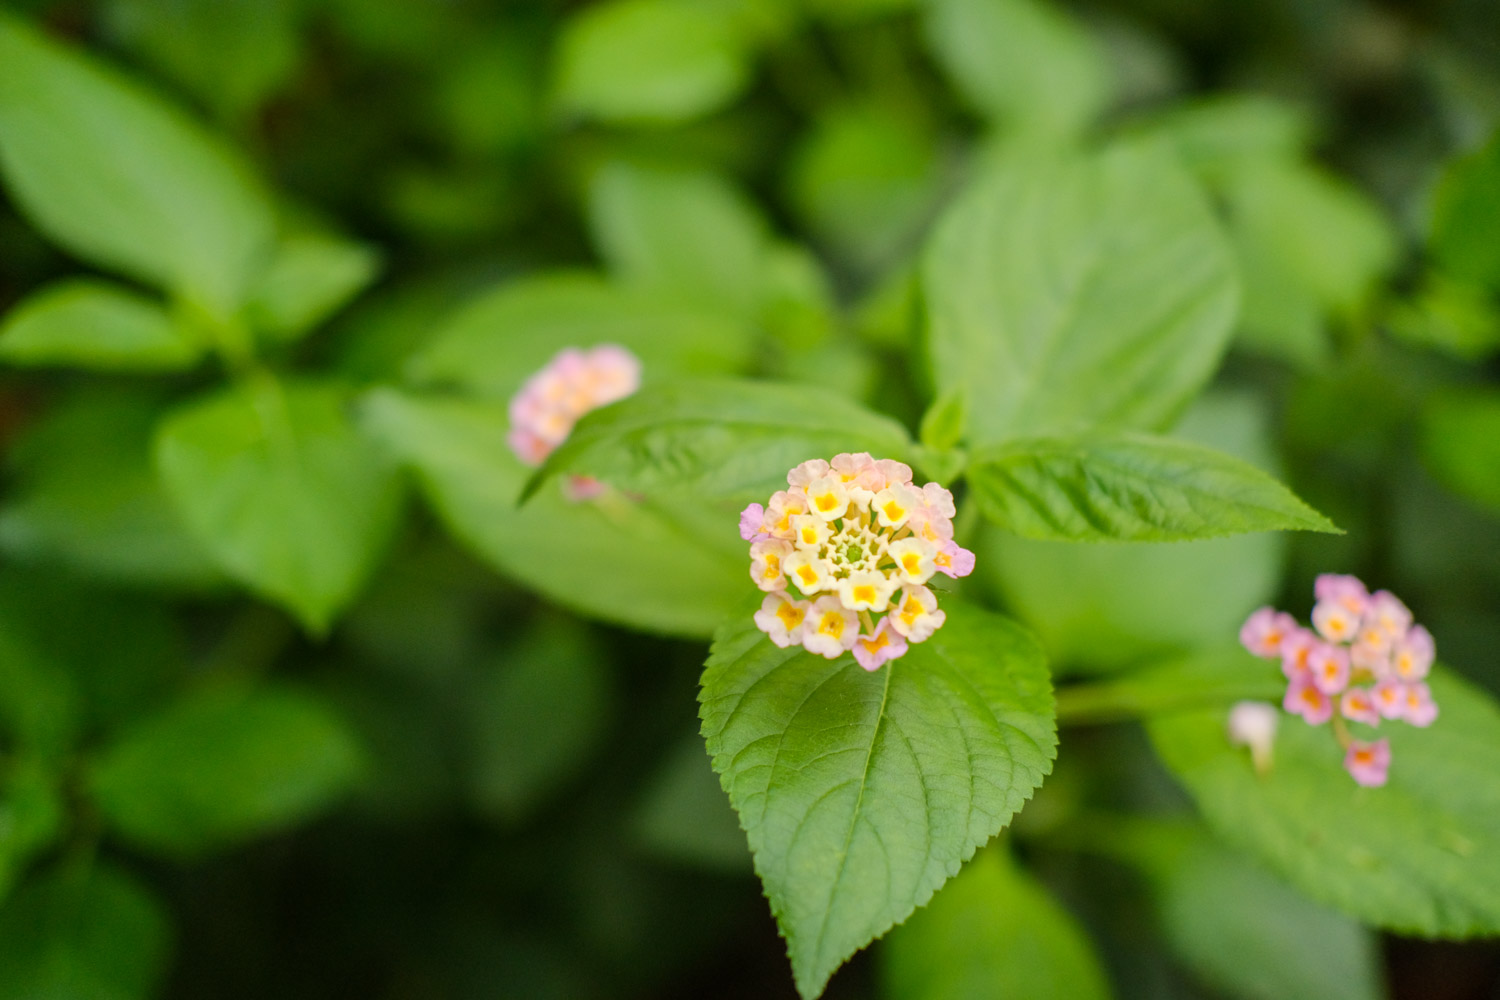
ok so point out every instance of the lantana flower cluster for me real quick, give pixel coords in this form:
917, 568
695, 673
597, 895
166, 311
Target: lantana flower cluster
846, 541
543, 412
1363, 661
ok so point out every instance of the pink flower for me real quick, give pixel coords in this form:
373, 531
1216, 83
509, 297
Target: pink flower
870, 651
1335, 622
1296, 650
783, 619
543, 412
1368, 762
1357, 705
1389, 698
1418, 707
1387, 613
1413, 654
1304, 699
802, 475
1329, 667
751, 519
954, 560
1265, 630
1349, 591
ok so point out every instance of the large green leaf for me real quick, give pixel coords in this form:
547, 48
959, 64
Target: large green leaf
219, 767
99, 509
992, 932
310, 277
1023, 63
652, 61
95, 324
1461, 444
862, 793
500, 338
31, 817
718, 438
674, 568
120, 178
533, 718
1068, 292
83, 934
1465, 237
1420, 855
1238, 927
1130, 487
282, 490
682, 234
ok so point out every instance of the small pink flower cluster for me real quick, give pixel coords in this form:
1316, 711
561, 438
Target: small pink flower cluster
1357, 638
858, 532
574, 382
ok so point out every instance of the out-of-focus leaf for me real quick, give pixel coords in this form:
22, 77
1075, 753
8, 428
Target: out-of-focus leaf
31, 817
120, 178
310, 277
717, 438
220, 767
676, 568
1461, 444
488, 97
1224, 132
943, 423
684, 816
1025, 64
864, 179
992, 932
1242, 930
1216, 673
863, 792
1418, 856
39, 699
686, 236
502, 337
86, 323
231, 54
1311, 247
649, 61
1068, 292
83, 934
99, 509
282, 490
1465, 237
1449, 316
797, 304
534, 718
1130, 488
1106, 605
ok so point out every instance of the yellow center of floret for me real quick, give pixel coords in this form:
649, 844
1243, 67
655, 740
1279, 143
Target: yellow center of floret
894, 511
826, 501
807, 575
809, 535
832, 624
912, 562
791, 616
876, 644
864, 593
773, 565
1311, 696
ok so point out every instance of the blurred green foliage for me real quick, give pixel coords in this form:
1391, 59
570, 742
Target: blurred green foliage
297, 701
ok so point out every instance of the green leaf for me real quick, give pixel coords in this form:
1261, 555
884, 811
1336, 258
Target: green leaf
862, 793
283, 491
534, 718
717, 438
1130, 487
83, 934
1063, 293
994, 931
502, 337
221, 767
684, 235
672, 568
1420, 855
1241, 930
31, 817
85, 323
943, 423
100, 509
1459, 319
1022, 63
649, 61
310, 277
683, 815
1465, 237
1112, 604
1214, 135
124, 180
231, 54
1461, 444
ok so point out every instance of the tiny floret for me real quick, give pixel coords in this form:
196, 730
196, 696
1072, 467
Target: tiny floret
1363, 662
849, 540
1253, 724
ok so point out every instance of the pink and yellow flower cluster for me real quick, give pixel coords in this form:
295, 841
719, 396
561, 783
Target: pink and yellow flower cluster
848, 540
1364, 660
